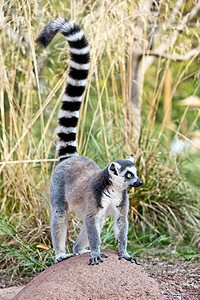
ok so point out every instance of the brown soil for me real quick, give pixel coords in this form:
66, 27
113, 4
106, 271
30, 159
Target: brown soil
75, 279
9, 293
177, 279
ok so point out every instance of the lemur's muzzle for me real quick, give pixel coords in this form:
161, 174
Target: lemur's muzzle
137, 183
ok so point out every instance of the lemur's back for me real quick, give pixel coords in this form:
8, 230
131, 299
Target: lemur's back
74, 174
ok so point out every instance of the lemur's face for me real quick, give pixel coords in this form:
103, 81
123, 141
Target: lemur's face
123, 173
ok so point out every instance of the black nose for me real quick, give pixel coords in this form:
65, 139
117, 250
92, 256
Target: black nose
137, 183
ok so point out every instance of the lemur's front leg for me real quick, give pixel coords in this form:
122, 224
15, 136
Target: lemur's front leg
94, 240
121, 231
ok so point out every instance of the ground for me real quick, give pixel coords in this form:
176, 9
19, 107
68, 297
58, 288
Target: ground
177, 279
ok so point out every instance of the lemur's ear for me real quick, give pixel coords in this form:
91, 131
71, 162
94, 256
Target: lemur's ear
114, 168
132, 159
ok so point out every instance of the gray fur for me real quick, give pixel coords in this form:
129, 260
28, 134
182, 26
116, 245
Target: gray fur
78, 181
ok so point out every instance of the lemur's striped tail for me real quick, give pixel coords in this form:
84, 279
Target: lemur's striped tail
76, 81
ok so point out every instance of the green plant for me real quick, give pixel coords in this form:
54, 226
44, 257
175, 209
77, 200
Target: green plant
25, 257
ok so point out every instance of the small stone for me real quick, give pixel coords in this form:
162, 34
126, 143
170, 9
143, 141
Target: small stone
3, 286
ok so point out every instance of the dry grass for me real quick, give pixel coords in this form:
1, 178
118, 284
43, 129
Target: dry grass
31, 87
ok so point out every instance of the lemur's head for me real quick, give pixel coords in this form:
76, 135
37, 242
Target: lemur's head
123, 173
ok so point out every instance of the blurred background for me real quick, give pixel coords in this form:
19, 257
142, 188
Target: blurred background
142, 99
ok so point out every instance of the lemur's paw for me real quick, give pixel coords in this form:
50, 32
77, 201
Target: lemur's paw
82, 252
94, 260
130, 258
62, 256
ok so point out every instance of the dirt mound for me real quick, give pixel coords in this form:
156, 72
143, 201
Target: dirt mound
75, 279
9, 293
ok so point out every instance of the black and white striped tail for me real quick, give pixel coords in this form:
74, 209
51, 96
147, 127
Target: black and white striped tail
76, 81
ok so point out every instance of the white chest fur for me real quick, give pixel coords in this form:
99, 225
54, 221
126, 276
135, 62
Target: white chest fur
110, 201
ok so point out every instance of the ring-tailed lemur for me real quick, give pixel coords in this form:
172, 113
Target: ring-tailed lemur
77, 180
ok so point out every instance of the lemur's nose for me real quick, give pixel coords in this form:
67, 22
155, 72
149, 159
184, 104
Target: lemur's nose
139, 182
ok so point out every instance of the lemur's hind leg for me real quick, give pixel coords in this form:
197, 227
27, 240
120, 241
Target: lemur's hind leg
59, 231
59, 216
81, 242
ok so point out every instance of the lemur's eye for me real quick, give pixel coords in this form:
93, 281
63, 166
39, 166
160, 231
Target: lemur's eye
129, 175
